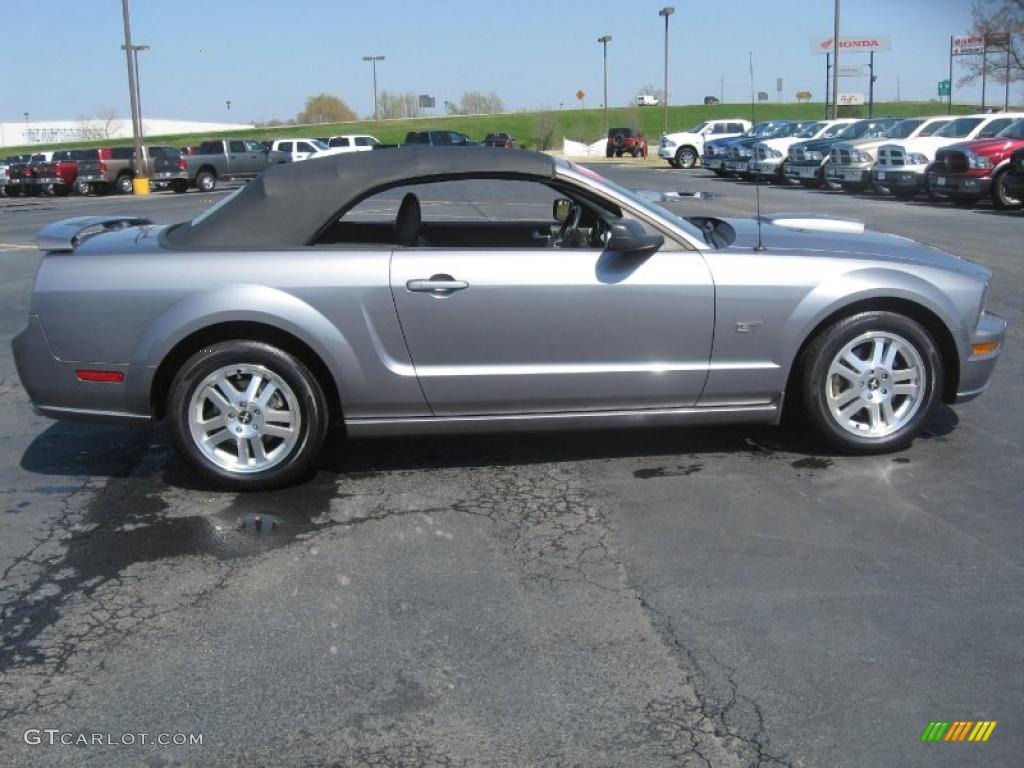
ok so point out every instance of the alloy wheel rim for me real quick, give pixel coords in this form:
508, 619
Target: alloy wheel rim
875, 384
244, 418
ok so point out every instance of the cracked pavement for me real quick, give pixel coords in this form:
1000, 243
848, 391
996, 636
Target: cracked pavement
725, 597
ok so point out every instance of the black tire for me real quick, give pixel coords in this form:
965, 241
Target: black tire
854, 187
1001, 197
206, 181
686, 157
123, 184
818, 356
634, 152
83, 187
608, 153
672, 163
300, 461
904, 193
719, 172
179, 186
880, 189
966, 201
781, 178
60, 190
835, 186
810, 183
12, 191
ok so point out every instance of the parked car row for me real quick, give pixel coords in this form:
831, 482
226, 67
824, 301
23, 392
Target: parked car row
963, 159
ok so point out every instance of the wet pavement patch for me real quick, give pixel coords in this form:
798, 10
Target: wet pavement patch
681, 470
812, 462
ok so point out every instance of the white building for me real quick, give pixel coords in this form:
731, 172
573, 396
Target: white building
15, 133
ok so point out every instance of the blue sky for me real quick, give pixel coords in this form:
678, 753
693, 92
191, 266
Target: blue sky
266, 56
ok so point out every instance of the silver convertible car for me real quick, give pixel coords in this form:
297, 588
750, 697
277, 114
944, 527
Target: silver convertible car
420, 290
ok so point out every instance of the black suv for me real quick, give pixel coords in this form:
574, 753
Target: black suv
501, 139
625, 140
440, 139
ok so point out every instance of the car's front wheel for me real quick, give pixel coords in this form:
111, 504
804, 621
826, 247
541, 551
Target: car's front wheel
1001, 197
247, 415
686, 157
870, 382
206, 181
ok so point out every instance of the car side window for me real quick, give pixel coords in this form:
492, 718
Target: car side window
494, 213
994, 127
236, 146
253, 146
284, 146
306, 147
340, 141
363, 141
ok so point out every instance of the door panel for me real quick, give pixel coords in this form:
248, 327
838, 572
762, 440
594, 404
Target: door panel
545, 330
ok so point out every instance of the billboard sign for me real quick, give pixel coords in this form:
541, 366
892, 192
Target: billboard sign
964, 45
851, 70
850, 99
864, 44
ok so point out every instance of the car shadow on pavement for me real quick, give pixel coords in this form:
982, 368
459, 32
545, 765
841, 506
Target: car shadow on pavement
78, 449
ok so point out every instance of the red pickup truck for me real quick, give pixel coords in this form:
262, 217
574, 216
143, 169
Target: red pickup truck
975, 169
58, 176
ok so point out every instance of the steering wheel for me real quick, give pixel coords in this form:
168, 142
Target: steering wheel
572, 221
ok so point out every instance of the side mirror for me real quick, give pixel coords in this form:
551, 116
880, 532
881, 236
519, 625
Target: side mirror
561, 208
628, 236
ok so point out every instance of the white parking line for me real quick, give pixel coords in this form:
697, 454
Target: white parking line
16, 247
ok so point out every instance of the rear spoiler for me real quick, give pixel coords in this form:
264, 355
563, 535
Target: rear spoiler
65, 235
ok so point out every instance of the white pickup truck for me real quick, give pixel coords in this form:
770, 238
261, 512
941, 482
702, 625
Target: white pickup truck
768, 157
352, 142
298, 149
682, 149
902, 167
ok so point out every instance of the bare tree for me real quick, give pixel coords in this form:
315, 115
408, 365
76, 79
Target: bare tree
477, 103
392, 105
994, 17
107, 118
651, 90
544, 130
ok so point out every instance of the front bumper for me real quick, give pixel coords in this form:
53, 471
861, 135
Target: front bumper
56, 392
976, 371
901, 177
848, 173
667, 153
712, 163
769, 167
959, 184
737, 166
805, 171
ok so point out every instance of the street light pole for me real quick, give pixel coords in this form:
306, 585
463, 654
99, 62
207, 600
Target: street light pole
140, 164
835, 65
373, 62
667, 11
604, 40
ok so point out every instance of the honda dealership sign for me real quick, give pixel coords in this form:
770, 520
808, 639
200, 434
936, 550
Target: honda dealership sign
863, 44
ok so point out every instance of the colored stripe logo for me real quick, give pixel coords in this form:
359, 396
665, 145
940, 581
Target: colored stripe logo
958, 730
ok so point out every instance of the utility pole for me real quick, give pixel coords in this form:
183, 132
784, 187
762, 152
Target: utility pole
835, 65
139, 161
1006, 96
949, 98
897, 89
871, 84
667, 11
373, 61
604, 40
828, 71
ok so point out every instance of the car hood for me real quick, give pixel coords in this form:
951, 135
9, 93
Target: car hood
867, 245
783, 142
818, 144
925, 145
683, 136
725, 142
993, 146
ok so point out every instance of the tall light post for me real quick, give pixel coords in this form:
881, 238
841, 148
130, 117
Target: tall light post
129, 50
373, 61
835, 65
604, 40
138, 92
667, 11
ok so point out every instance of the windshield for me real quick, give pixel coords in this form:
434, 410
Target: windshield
958, 128
777, 130
318, 144
809, 131
757, 130
697, 128
833, 131
639, 202
902, 129
1013, 131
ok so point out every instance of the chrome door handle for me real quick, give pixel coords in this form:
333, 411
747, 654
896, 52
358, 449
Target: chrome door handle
441, 284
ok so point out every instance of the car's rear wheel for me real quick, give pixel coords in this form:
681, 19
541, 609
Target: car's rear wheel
206, 181
686, 157
83, 187
870, 382
179, 186
248, 415
1001, 197
123, 184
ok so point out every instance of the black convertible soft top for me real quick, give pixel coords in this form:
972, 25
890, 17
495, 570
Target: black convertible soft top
287, 205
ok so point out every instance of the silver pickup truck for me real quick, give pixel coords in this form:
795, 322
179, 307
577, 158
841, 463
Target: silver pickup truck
229, 159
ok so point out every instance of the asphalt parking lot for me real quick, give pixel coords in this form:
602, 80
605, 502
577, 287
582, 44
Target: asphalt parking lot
725, 597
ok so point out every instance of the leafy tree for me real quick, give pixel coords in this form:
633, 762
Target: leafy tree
995, 17
324, 108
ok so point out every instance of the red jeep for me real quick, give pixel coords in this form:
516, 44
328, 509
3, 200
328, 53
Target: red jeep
974, 169
622, 140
